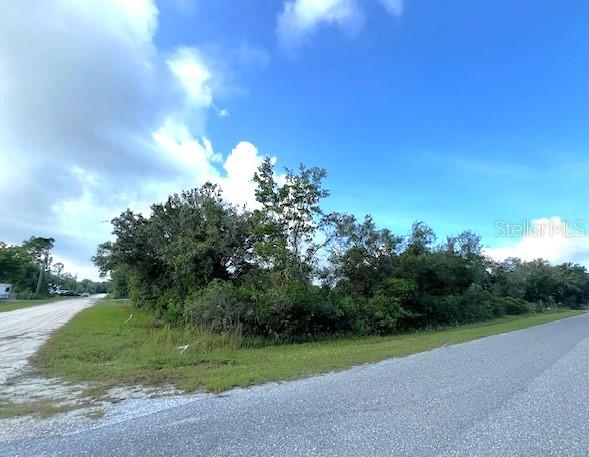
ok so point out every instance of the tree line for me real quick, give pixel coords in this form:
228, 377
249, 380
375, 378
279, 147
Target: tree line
289, 270
30, 269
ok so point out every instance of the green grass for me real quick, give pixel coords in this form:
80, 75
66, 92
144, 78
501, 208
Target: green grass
102, 345
18, 304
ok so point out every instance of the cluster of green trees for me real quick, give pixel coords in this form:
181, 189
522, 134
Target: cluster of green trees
30, 269
288, 270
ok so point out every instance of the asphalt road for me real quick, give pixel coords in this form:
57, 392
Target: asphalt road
524, 393
23, 331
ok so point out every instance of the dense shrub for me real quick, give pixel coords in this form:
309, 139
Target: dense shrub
169, 306
291, 309
382, 314
219, 307
477, 304
119, 284
515, 306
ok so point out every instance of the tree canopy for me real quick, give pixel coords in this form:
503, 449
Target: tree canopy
287, 269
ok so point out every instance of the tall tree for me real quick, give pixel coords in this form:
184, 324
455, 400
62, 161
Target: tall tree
287, 224
40, 248
189, 240
363, 256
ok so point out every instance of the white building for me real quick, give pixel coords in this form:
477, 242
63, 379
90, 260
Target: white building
5, 291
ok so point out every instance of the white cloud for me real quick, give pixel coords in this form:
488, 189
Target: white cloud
192, 155
198, 157
188, 66
240, 166
393, 7
299, 19
552, 239
95, 119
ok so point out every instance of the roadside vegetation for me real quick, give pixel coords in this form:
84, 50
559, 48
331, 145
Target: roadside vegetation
112, 344
287, 271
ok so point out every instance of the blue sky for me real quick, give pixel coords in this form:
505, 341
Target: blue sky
457, 113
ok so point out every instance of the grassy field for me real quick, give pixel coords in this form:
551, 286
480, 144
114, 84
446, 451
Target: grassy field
112, 344
17, 304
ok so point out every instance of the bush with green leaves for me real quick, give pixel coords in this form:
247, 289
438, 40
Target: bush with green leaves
381, 314
515, 306
219, 307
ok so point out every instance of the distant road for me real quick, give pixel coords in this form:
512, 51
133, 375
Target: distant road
23, 331
524, 393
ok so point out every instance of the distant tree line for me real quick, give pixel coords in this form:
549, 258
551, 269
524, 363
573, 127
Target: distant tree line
289, 270
30, 269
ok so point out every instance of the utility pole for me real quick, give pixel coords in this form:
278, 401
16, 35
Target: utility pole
41, 273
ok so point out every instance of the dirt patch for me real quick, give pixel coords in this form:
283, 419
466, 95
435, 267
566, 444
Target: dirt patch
30, 404
34, 406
